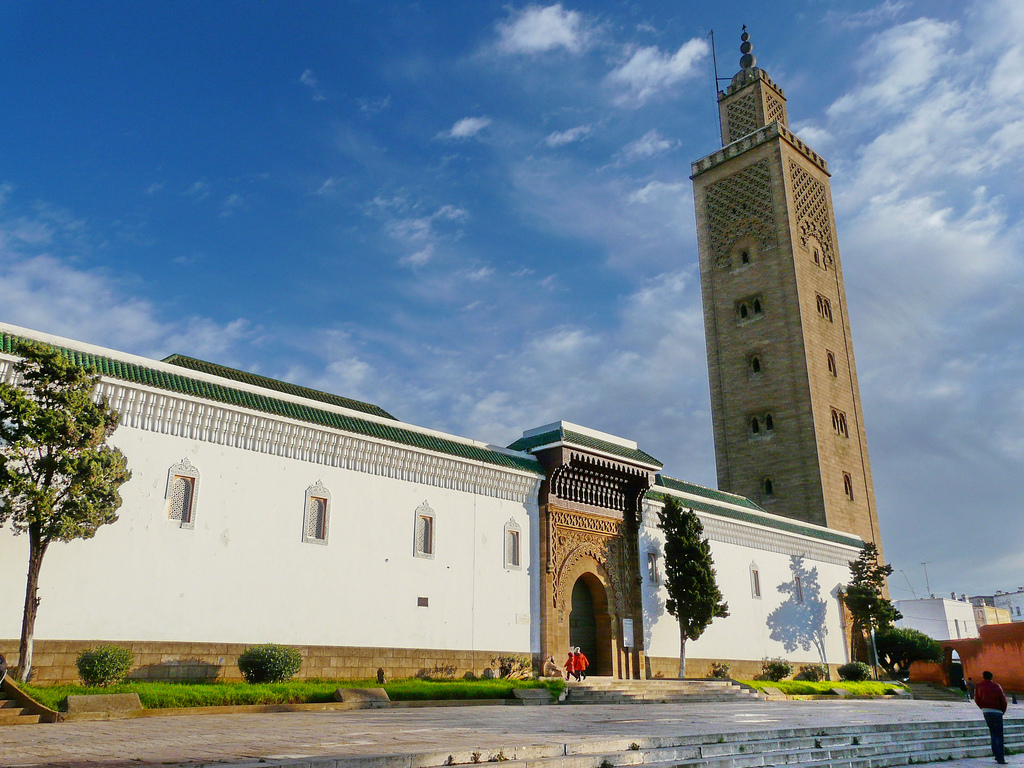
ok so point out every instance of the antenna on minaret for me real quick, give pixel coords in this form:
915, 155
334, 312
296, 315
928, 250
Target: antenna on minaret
714, 60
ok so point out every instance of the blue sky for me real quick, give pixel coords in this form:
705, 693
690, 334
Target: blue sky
479, 216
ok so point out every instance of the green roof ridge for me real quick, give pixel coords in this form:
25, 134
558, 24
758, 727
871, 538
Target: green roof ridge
584, 441
141, 374
711, 493
277, 385
751, 517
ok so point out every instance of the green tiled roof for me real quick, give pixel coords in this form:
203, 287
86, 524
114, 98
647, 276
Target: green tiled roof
278, 386
140, 374
583, 441
700, 490
750, 517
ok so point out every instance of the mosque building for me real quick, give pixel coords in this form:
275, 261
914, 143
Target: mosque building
262, 511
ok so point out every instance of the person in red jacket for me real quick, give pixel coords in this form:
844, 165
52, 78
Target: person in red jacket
582, 662
989, 697
570, 666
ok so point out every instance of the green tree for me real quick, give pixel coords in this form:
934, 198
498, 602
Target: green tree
899, 647
693, 594
864, 595
59, 481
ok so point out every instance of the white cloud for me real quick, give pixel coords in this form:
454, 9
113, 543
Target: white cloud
649, 71
872, 17
560, 138
650, 144
537, 29
420, 234
231, 203
308, 79
466, 128
198, 191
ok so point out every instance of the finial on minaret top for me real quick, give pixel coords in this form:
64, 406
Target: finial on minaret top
747, 60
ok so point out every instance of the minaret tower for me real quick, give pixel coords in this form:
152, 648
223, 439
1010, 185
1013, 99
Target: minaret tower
788, 424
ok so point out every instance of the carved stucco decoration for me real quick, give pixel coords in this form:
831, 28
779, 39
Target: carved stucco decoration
575, 536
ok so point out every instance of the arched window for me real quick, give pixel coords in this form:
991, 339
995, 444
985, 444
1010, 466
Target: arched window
769, 422
757, 306
817, 257
513, 545
182, 493
743, 310
745, 257
848, 485
839, 423
824, 307
830, 359
755, 364
755, 426
768, 487
424, 532
755, 581
798, 589
316, 515
653, 577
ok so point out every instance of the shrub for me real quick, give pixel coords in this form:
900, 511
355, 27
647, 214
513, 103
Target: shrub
514, 667
719, 669
104, 665
776, 669
814, 673
856, 671
268, 663
440, 672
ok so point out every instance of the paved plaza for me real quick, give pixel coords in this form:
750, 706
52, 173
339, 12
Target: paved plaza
264, 739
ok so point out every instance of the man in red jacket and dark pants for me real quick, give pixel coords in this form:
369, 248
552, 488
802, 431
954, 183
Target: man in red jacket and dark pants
989, 696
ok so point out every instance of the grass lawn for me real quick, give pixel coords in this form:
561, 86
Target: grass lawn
160, 695
798, 687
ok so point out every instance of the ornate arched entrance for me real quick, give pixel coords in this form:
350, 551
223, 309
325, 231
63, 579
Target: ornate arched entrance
590, 623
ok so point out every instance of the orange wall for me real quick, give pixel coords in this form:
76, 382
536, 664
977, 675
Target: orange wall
1000, 650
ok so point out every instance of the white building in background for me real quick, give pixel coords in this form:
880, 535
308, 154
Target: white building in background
1011, 601
261, 511
939, 617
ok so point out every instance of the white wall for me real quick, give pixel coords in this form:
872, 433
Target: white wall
747, 633
939, 618
1013, 602
245, 575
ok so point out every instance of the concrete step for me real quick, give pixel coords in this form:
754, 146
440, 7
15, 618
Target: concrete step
612, 691
16, 717
853, 747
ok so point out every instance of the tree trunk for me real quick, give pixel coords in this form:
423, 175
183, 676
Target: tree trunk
28, 623
682, 656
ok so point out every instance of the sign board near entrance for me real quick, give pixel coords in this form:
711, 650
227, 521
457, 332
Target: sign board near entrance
627, 633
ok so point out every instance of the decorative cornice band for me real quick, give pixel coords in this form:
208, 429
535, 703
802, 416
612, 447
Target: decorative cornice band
756, 139
166, 413
767, 540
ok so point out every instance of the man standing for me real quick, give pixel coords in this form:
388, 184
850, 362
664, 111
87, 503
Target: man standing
989, 696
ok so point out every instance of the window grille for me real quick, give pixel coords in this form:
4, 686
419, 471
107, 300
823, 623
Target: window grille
652, 568
317, 514
423, 545
831, 360
182, 493
181, 499
848, 485
513, 544
755, 581
798, 589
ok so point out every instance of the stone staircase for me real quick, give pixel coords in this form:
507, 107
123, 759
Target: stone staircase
933, 692
608, 690
850, 746
12, 712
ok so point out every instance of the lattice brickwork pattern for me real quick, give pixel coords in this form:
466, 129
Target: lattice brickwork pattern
811, 206
739, 205
316, 519
741, 116
181, 499
775, 111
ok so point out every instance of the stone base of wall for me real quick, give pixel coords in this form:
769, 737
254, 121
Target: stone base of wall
54, 660
739, 669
